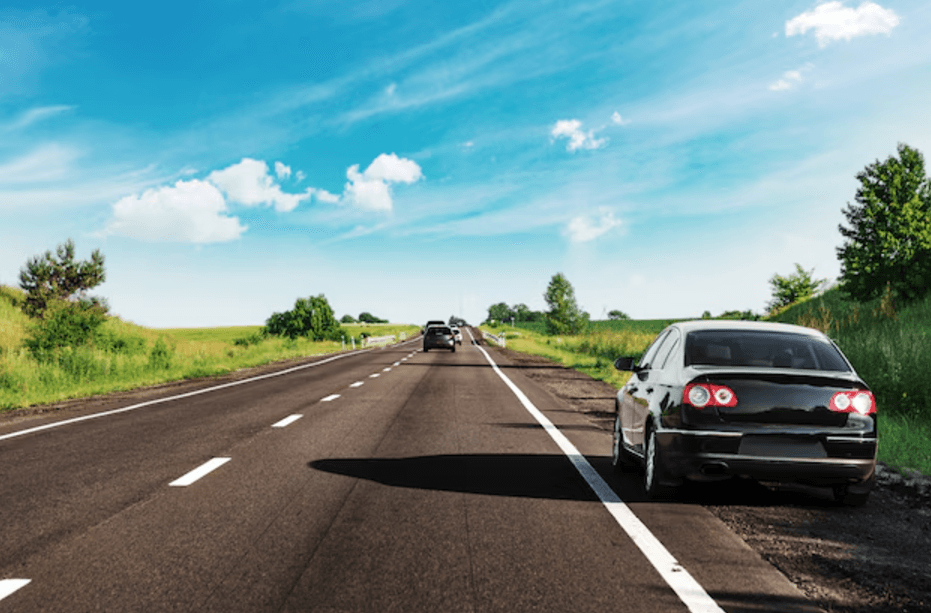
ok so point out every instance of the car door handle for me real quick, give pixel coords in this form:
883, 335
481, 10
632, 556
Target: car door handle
649, 390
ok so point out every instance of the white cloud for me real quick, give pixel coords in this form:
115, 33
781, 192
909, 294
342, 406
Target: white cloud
35, 115
249, 183
617, 120
42, 164
833, 21
391, 89
282, 171
583, 229
791, 78
572, 129
299, 176
323, 196
188, 212
371, 190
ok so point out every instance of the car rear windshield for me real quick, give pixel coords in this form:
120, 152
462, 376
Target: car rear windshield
437, 330
762, 349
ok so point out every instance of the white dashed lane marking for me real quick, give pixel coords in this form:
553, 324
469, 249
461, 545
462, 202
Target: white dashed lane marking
386, 369
330, 398
8, 586
199, 472
358, 384
287, 421
372, 376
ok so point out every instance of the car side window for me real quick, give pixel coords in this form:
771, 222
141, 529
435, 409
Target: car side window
668, 349
647, 358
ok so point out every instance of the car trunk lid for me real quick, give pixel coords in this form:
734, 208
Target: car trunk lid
783, 398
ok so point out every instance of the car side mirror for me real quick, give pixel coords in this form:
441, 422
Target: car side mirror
626, 363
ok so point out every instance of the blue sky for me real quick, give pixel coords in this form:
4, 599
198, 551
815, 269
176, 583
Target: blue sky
418, 159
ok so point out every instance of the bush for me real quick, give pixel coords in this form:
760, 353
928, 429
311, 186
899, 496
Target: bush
252, 339
311, 317
161, 355
64, 324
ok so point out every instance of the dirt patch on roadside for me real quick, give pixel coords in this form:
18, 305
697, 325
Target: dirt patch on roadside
876, 558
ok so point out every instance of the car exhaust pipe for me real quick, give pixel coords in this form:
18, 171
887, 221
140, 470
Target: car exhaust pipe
713, 469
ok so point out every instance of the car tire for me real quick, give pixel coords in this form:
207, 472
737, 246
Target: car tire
620, 459
426, 350
854, 496
654, 472
453, 349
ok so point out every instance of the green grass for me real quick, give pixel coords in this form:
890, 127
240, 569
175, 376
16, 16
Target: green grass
593, 353
127, 356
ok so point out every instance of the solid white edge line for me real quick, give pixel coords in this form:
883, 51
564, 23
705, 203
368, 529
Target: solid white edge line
188, 394
8, 586
683, 584
330, 398
287, 421
179, 396
199, 472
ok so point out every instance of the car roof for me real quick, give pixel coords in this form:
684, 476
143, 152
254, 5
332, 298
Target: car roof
731, 324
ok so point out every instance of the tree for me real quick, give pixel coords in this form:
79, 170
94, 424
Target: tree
367, 318
794, 287
616, 314
888, 241
500, 312
48, 277
348, 319
311, 317
564, 315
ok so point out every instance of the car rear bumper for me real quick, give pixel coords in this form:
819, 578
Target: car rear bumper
816, 459
449, 345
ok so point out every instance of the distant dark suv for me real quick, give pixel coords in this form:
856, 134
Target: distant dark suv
439, 337
432, 322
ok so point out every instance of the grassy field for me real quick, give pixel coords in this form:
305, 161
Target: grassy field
890, 348
126, 356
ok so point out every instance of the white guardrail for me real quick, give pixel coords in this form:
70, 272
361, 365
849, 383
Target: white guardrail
499, 340
378, 340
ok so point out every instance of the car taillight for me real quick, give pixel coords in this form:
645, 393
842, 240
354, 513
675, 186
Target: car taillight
854, 401
701, 395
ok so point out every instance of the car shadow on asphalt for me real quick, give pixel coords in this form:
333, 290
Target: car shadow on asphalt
552, 476
546, 476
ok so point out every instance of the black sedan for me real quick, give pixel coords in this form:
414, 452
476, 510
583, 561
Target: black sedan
439, 337
716, 399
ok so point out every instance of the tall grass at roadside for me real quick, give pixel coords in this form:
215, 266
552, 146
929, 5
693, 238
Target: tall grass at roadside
593, 354
904, 443
125, 356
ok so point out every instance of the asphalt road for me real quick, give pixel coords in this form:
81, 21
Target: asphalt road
410, 482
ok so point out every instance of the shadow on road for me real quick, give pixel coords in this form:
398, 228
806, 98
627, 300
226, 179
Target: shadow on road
523, 476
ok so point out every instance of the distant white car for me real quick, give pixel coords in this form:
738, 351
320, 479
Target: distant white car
457, 334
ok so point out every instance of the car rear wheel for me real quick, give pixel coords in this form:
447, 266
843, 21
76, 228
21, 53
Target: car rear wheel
453, 349
654, 472
853, 496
